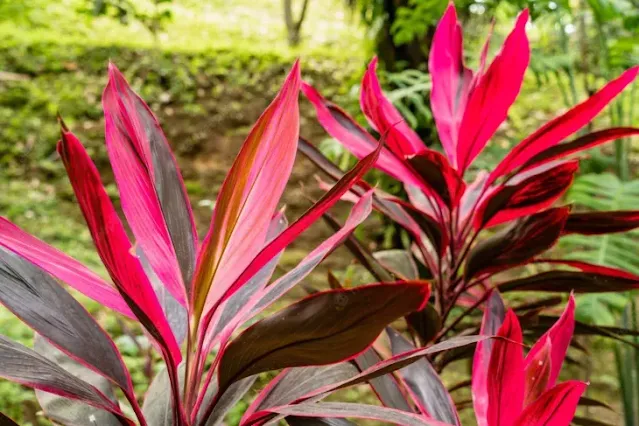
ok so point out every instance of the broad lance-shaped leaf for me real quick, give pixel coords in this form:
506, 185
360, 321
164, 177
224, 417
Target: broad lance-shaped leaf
424, 384
61, 266
526, 194
113, 246
387, 366
494, 313
451, 81
581, 143
307, 219
361, 411
385, 119
152, 192
597, 223
248, 197
555, 407
493, 94
559, 336
68, 412
270, 294
506, 374
26, 367
358, 141
46, 307
518, 243
297, 335
563, 126
538, 370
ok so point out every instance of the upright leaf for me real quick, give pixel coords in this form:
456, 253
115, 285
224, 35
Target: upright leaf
248, 197
538, 370
439, 176
506, 374
46, 307
113, 246
494, 93
152, 193
451, 81
494, 313
383, 117
555, 407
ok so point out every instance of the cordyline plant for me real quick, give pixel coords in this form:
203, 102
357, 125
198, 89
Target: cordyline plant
192, 297
445, 215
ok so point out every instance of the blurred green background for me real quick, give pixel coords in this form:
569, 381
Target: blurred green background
208, 68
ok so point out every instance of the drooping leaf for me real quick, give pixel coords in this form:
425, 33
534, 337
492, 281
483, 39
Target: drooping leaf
358, 141
518, 243
248, 198
493, 94
494, 313
385, 119
424, 384
604, 280
62, 267
70, 412
22, 365
152, 192
597, 223
45, 306
559, 336
555, 407
113, 246
505, 382
563, 126
296, 335
451, 81
526, 194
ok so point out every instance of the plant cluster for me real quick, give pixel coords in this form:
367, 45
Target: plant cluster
193, 297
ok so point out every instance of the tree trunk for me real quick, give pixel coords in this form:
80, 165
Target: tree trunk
293, 26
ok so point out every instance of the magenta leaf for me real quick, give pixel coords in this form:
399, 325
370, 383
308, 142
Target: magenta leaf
152, 192
555, 407
563, 126
494, 313
36, 298
424, 384
296, 335
538, 370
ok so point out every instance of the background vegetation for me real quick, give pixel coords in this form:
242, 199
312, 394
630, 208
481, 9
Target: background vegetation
208, 68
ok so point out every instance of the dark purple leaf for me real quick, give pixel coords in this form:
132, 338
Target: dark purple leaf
424, 383
597, 223
317, 421
439, 175
567, 281
426, 323
39, 301
6, 421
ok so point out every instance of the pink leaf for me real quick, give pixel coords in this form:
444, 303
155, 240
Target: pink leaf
249, 197
555, 407
62, 267
563, 126
113, 244
494, 93
451, 81
506, 374
560, 336
153, 196
538, 371
384, 118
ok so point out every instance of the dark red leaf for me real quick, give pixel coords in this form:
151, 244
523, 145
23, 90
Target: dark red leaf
299, 334
317, 421
6, 421
439, 176
526, 194
597, 223
522, 241
567, 281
